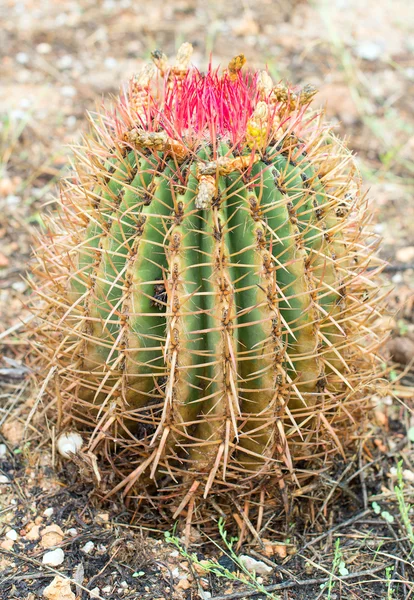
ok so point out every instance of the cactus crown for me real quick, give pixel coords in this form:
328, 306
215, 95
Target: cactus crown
209, 290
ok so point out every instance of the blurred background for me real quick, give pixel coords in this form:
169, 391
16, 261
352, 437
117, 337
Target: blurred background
59, 59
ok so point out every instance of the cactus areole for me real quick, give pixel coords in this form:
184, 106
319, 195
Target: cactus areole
208, 295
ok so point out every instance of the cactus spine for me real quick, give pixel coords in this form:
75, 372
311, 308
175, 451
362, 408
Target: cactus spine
209, 289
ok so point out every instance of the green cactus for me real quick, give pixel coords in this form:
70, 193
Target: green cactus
209, 292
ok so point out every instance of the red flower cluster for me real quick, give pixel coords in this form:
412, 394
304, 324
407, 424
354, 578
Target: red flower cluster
212, 104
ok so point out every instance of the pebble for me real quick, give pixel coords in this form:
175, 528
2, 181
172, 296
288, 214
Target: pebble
22, 58
33, 532
48, 512
43, 48
95, 592
71, 121
407, 475
12, 200
65, 62
102, 518
68, 91
110, 62
54, 558
253, 565
69, 443
72, 532
59, 589
4, 479
3, 450
12, 535
183, 584
405, 255
19, 286
52, 535
368, 50
88, 547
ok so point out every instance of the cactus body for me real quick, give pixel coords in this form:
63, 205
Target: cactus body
208, 300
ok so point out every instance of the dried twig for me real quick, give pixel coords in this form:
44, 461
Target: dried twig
335, 528
301, 583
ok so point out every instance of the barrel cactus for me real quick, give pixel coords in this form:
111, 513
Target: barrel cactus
207, 292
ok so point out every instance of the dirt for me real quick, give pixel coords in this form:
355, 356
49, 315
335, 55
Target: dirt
58, 60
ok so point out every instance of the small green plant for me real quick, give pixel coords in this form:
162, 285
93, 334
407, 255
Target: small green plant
240, 572
393, 375
404, 508
384, 513
388, 575
402, 327
11, 128
338, 566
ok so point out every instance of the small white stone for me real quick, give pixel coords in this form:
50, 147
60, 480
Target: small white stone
368, 50
65, 62
110, 62
19, 286
69, 443
107, 589
43, 48
4, 479
48, 512
88, 547
124, 584
12, 535
3, 450
175, 573
68, 91
174, 554
72, 532
253, 565
95, 593
408, 475
22, 58
54, 558
12, 200
405, 255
